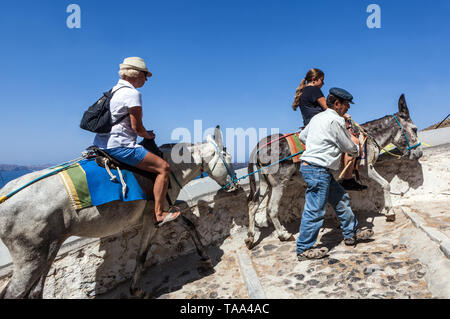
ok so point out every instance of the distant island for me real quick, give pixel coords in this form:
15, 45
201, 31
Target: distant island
13, 167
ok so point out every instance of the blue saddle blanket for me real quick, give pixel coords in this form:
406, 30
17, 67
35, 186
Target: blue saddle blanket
100, 188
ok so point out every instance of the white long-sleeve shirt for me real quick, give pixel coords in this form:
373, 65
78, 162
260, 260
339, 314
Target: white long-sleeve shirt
326, 138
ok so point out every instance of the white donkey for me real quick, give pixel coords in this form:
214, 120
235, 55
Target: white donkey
37, 220
397, 129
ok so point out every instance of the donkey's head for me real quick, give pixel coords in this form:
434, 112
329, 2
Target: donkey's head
406, 137
218, 162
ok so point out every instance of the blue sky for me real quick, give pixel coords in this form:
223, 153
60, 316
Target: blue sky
233, 63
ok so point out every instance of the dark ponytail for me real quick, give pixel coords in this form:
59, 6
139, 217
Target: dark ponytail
312, 75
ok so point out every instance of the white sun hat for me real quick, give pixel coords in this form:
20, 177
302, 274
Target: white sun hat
135, 63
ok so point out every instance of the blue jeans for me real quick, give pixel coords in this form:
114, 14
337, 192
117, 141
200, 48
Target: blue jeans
323, 188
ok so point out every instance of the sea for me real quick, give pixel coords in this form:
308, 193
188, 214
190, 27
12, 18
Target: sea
6, 176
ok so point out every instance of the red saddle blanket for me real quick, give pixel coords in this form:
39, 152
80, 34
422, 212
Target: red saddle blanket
295, 145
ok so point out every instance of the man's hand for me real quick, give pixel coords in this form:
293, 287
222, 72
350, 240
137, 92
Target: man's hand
346, 116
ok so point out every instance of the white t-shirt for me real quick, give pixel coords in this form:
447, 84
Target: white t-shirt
121, 135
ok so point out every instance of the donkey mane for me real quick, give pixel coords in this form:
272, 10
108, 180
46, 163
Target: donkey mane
370, 123
172, 145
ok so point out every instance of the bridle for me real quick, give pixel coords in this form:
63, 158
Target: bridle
220, 157
406, 137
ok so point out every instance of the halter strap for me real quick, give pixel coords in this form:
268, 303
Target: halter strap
232, 176
406, 137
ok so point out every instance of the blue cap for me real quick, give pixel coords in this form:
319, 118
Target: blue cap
343, 94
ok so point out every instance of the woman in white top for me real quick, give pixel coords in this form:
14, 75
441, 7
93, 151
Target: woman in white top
121, 144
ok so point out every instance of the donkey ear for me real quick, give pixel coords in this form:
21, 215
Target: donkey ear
402, 107
218, 137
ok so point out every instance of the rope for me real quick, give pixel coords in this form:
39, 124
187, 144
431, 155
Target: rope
124, 185
59, 167
395, 155
442, 122
113, 178
176, 180
71, 161
4, 198
245, 176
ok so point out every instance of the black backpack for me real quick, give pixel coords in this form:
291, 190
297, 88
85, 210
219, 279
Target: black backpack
97, 118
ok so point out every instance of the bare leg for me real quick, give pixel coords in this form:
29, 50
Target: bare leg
155, 164
349, 172
347, 158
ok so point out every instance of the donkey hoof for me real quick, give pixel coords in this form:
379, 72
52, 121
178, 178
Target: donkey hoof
139, 293
249, 242
390, 218
286, 237
206, 263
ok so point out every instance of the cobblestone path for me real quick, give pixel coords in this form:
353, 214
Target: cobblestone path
382, 268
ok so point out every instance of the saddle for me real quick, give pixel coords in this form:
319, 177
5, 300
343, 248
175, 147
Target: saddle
104, 160
355, 130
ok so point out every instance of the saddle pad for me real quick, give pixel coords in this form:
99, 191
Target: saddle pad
296, 146
88, 184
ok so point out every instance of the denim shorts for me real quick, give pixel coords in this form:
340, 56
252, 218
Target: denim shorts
130, 156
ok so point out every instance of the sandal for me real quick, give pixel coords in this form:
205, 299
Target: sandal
170, 217
316, 253
360, 235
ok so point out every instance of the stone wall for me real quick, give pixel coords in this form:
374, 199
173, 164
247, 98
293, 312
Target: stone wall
90, 267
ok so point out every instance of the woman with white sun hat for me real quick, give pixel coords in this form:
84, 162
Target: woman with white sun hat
121, 144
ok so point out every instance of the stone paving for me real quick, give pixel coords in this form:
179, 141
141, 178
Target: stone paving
382, 268
379, 269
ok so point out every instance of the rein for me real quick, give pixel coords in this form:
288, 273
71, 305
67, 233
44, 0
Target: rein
245, 176
236, 180
230, 173
54, 171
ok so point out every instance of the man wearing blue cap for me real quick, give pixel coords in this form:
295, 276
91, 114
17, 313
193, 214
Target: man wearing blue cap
326, 138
